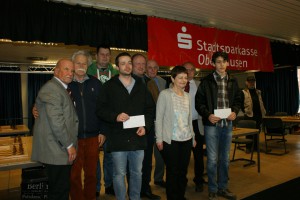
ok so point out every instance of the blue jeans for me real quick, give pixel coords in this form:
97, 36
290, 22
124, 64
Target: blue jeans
135, 163
218, 142
107, 170
107, 167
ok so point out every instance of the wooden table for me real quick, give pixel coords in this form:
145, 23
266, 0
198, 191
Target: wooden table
21, 161
286, 119
239, 132
18, 130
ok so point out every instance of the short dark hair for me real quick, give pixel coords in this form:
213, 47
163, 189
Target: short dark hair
138, 54
217, 54
178, 70
103, 46
120, 55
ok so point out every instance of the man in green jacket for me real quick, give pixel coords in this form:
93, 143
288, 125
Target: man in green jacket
102, 68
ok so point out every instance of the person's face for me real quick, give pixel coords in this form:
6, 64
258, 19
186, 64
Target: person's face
65, 71
250, 84
220, 65
125, 65
180, 80
81, 65
103, 57
191, 71
152, 68
139, 65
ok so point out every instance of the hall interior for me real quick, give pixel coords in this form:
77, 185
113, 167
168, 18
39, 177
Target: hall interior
243, 181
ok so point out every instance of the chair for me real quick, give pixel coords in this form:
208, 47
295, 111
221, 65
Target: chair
288, 126
275, 129
244, 141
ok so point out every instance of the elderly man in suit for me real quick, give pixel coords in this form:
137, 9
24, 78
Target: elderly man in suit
55, 130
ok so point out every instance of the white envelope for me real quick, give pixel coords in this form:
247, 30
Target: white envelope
222, 113
134, 121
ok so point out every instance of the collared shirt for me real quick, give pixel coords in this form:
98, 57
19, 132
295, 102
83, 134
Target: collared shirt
86, 77
65, 85
160, 88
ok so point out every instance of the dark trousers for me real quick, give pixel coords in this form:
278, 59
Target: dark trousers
147, 163
177, 157
258, 120
198, 155
58, 181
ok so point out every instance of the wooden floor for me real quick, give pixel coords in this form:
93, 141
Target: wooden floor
244, 181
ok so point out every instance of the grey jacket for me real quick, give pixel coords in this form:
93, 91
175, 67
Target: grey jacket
165, 116
56, 128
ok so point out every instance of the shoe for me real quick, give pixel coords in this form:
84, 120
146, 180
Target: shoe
160, 183
199, 188
150, 195
212, 196
110, 190
227, 194
97, 194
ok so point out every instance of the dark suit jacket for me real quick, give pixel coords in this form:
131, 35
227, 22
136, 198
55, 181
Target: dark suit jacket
56, 128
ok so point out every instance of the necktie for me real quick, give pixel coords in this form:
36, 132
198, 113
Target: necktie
69, 91
187, 87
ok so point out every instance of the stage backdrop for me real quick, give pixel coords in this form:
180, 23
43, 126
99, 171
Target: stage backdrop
173, 43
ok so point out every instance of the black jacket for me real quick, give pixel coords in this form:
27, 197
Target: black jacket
85, 96
206, 97
116, 100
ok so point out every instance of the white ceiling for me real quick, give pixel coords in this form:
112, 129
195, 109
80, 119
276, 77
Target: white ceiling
274, 19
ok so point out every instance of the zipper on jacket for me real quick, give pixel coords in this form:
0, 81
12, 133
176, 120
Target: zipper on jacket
81, 89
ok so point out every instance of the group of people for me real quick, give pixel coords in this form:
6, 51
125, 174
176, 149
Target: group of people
85, 105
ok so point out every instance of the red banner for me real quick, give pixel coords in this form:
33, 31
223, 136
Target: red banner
172, 43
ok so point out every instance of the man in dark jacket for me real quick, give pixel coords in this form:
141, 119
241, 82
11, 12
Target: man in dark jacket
123, 97
85, 91
218, 92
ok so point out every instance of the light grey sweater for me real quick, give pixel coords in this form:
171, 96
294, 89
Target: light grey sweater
165, 116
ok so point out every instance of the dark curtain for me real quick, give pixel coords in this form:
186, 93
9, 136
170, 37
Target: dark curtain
10, 99
46, 21
285, 54
35, 82
280, 90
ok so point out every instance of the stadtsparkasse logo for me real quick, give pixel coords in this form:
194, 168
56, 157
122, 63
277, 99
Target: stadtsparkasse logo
184, 40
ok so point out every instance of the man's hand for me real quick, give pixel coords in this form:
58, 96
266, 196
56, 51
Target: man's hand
160, 146
35, 112
101, 139
72, 153
194, 143
213, 118
141, 131
122, 117
232, 116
